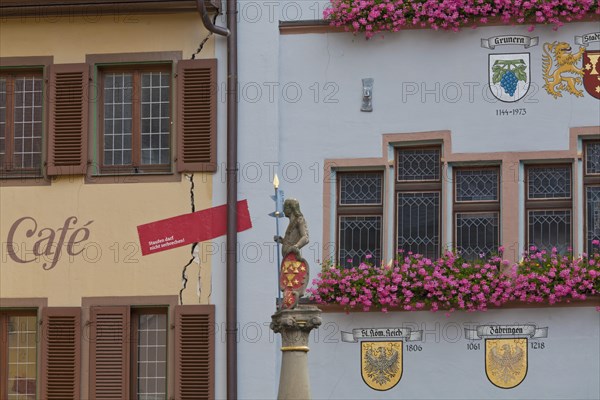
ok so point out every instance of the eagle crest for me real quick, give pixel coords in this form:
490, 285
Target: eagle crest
506, 364
381, 364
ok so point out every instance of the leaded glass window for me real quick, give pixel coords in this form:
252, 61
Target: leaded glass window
549, 182
419, 223
551, 228
476, 185
592, 158
591, 181
418, 200
419, 164
477, 234
592, 195
549, 207
476, 211
136, 120
360, 188
359, 237
360, 214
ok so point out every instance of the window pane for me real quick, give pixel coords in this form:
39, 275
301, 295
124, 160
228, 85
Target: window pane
592, 158
22, 369
155, 117
476, 185
360, 236
548, 229
118, 93
549, 182
476, 234
151, 363
28, 122
2, 121
593, 215
419, 164
419, 223
360, 188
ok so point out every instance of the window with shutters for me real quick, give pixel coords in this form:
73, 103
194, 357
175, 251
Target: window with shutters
591, 181
18, 354
156, 115
21, 123
548, 204
43, 119
359, 214
131, 354
135, 120
418, 200
476, 211
149, 354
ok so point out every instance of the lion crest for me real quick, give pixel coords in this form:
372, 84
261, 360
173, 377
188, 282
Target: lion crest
559, 55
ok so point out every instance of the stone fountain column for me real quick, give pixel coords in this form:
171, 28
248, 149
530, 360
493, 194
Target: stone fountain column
295, 325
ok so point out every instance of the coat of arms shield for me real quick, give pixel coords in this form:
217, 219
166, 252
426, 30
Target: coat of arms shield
509, 76
591, 72
381, 363
293, 279
506, 361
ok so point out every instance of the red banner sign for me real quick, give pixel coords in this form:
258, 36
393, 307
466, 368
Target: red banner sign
190, 228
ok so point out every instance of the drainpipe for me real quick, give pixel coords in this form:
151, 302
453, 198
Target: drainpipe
232, 174
208, 24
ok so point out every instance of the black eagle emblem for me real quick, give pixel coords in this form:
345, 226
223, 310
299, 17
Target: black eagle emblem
381, 364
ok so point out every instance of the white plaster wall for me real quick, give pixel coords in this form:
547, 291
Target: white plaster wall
279, 130
567, 368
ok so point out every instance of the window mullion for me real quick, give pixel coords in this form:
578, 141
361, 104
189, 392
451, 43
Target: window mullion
477, 207
548, 204
136, 136
419, 186
360, 210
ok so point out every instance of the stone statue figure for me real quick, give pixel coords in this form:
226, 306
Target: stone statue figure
296, 234
294, 269
294, 322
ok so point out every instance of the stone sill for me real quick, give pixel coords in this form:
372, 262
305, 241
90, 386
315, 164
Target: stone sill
322, 26
591, 301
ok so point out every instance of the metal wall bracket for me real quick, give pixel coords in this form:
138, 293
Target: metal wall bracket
367, 95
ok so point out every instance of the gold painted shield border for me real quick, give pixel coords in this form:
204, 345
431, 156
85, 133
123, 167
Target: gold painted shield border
487, 373
362, 349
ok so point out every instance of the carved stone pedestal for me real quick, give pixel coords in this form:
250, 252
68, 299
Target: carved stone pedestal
295, 326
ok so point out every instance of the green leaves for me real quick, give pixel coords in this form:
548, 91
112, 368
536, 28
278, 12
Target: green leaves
498, 71
520, 72
500, 67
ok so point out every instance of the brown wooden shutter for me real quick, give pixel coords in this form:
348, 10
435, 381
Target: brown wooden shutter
68, 119
194, 352
61, 353
197, 115
109, 353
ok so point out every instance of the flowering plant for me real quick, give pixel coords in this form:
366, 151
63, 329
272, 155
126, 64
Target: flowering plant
543, 276
372, 16
413, 282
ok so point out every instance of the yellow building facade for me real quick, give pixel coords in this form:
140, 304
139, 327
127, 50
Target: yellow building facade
71, 259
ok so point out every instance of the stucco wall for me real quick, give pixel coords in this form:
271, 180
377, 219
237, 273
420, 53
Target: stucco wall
111, 264
300, 105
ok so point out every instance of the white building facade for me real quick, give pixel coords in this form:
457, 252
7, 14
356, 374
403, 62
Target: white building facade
446, 159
